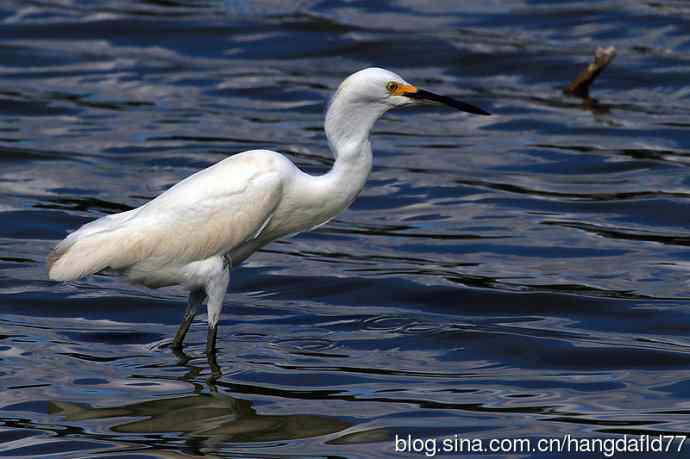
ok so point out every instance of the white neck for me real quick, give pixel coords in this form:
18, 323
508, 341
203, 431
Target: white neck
316, 199
347, 126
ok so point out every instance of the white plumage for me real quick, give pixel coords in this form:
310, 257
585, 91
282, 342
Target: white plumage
191, 234
206, 215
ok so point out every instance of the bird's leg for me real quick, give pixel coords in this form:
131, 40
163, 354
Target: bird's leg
211, 350
196, 297
215, 289
211, 353
211, 340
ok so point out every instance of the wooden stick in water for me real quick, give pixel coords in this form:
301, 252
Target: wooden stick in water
580, 85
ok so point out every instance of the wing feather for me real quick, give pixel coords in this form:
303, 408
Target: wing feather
207, 214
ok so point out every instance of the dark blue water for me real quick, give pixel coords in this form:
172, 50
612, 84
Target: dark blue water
521, 275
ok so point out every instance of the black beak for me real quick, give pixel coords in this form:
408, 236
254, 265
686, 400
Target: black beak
462, 106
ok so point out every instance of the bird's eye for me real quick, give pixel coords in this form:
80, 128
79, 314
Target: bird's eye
392, 86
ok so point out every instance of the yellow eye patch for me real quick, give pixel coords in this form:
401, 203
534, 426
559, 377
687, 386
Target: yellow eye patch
399, 89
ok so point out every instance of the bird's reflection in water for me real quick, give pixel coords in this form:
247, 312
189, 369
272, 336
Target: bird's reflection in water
210, 423
211, 415
215, 416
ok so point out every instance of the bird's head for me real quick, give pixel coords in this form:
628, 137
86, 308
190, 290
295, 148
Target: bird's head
383, 87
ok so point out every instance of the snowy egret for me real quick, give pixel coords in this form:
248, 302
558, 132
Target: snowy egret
193, 233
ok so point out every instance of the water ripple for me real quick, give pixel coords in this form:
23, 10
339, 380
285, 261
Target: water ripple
520, 275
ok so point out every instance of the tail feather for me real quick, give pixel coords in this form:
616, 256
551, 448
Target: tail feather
92, 248
79, 257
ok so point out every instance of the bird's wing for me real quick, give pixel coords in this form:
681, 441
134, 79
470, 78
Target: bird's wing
207, 214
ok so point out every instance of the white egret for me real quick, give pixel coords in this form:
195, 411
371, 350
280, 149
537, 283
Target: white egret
193, 233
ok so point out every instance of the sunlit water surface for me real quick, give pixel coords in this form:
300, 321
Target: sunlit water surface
521, 275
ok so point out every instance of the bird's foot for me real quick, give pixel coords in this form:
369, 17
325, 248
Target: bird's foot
216, 372
182, 356
184, 360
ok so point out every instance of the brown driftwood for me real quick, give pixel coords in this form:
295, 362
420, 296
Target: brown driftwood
580, 85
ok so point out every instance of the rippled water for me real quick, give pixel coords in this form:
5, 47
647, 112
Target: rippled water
521, 275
